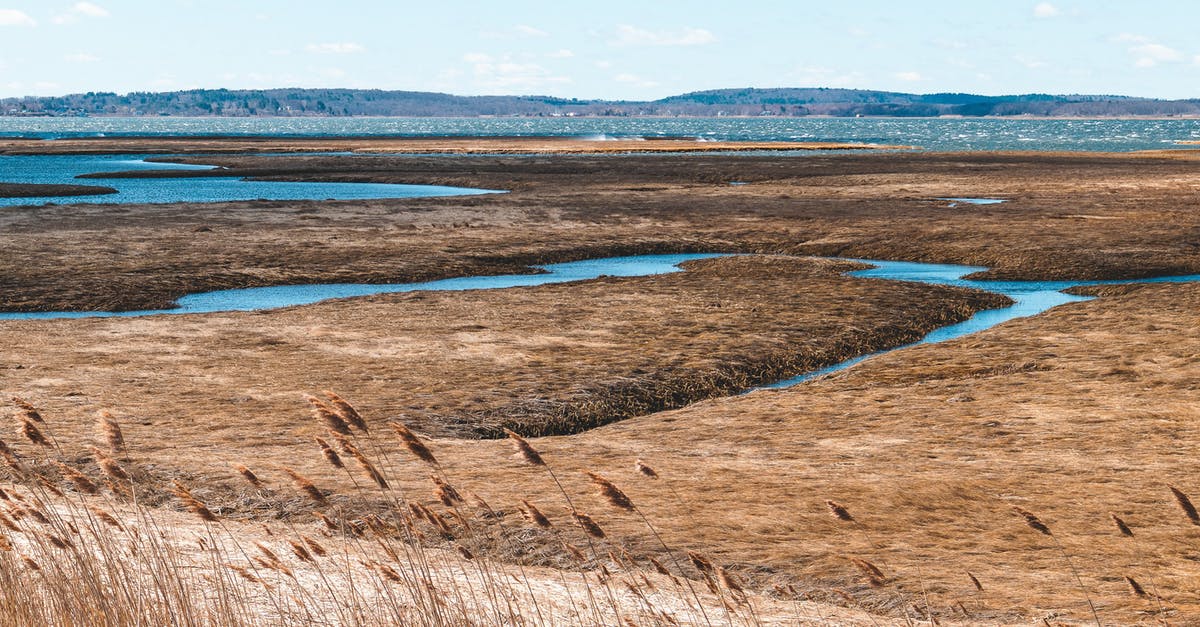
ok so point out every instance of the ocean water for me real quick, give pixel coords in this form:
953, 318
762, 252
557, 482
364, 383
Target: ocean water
941, 134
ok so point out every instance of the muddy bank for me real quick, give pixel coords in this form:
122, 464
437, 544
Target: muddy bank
32, 190
1069, 216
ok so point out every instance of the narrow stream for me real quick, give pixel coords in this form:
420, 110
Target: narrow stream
1031, 297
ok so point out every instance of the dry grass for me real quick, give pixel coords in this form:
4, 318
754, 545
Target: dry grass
71, 556
1075, 415
552, 359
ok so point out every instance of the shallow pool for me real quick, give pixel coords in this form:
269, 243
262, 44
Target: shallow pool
63, 170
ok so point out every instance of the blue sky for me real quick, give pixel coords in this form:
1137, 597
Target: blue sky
617, 49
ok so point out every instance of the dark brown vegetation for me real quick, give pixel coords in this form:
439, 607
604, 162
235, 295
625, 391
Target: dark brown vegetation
31, 190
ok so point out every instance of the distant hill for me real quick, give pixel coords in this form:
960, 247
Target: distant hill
733, 102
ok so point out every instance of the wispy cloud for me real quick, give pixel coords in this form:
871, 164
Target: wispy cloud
336, 48
909, 76
560, 54
818, 76
81, 57
13, 17
530, 31
1045, 9
80, 10
634, 79
505, 73
633, 36
1146, 52
1032, 63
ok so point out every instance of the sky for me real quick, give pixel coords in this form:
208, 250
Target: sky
610, 49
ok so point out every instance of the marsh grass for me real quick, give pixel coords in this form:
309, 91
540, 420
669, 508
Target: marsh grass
75, 553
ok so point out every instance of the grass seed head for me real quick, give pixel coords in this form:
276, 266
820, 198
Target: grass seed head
644, 470
839, 512
305, 485
588, 524
327, 416
108, 427
331, 455
1186, 505
346, 411
535, 515
195, 505
413, 443
524, 449
611, 492
1033, 521
1121, 526
249, 476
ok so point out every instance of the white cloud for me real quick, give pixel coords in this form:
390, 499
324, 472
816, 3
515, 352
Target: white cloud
89, 9
604, 65
13, 17
818, 76
529, 31
81, 57
909, 76
505, 73
1046, 9
1147, 53
1030, 62
336, 48
633, 36
633, 79
560, 54
80, 10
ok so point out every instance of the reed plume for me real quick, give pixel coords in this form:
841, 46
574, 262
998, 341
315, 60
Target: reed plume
1135, 588
445, 492
644, 470
315, 546
524, 449
975, 581
80, 480
249, 476
413, 443
327, 416
305, 485
587, 524
346, 411
110, 467
535, 515
1186, 505
195, 505
27, 409
105, 517
838, 511
1033, 521
32, 433
874, 575
367, 467
108, 427
1121, 526
611, 492
331, 455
